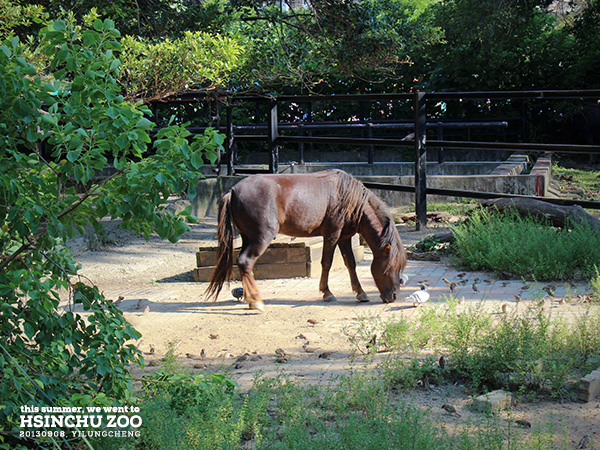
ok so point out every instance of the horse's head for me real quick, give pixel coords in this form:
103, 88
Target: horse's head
388, 278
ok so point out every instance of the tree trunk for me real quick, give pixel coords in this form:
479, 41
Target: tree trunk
558, 215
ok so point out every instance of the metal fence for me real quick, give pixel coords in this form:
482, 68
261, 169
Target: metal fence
270, 133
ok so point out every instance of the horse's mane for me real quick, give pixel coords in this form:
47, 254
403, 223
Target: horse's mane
389, 235
352, 197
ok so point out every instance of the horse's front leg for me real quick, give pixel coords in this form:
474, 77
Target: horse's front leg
345, 246
326, 262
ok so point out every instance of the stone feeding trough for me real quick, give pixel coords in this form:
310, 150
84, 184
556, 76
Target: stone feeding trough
286, 257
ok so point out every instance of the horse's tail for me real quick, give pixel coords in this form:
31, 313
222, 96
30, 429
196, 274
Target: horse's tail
223, 269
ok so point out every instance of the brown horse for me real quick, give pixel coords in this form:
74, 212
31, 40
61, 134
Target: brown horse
331, 204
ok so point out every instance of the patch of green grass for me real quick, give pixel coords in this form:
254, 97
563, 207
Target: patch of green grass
361, 409
457, 208
356, 412
526, 349
595, 284
587, 181
509, 244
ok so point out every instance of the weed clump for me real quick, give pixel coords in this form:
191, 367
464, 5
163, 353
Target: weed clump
509, 244
526, 350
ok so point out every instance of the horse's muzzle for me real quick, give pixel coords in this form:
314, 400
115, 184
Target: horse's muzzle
389, 296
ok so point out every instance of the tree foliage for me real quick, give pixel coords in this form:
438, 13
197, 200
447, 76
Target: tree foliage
50, 355
333, 46
585, 28
199, 60
510, 44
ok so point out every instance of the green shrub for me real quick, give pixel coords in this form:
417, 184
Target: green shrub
51, 355
509, 244
183, 410
355, 412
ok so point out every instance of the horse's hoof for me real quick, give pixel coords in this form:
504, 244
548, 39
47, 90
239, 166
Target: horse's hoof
257, 306
330, 299
363, 298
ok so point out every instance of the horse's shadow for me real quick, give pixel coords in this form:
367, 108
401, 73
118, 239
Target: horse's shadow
185, 277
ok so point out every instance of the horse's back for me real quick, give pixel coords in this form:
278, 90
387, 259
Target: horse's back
293, 204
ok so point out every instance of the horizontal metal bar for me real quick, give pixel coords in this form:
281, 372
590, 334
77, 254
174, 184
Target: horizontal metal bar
250, 137
345, 140
344, 97
508, 146
532, 94
464, 145
389, 186
590, 204
409, 125
249, 170
537, 147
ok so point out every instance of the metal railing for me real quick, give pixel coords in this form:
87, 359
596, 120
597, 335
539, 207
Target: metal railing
419, 124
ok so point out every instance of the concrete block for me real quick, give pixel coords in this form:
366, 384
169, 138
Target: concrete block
589, 386
494, 401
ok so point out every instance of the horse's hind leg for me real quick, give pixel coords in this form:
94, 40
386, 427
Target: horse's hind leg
251, 250
348, 255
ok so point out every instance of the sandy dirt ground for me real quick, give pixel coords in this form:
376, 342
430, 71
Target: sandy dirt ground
298, 335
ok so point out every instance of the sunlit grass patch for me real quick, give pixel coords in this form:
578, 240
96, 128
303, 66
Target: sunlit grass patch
509, 244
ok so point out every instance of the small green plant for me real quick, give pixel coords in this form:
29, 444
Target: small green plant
363, 333
403, 335
595, 285
527, 349
400, 374
430, 243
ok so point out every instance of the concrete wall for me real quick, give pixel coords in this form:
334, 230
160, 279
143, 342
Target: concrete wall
209, 192
399, 169
505, 177
379, 154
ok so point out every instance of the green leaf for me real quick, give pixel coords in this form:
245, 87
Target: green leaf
78, 172
122, 141
115, 64
144, 124
60, 25
73, 155
197, 159
112, 112
21, 109
29, 330
219, 139
89, 38
7, 52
